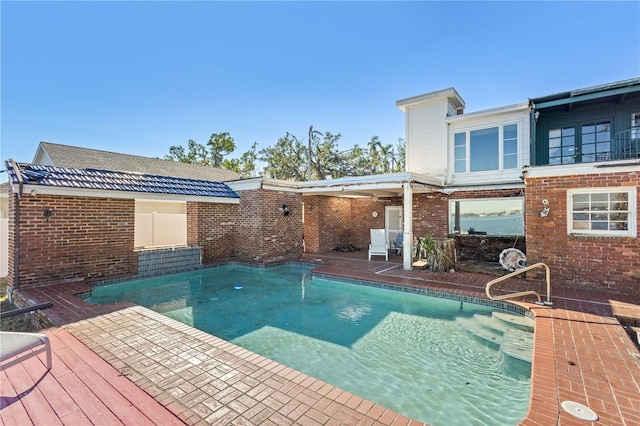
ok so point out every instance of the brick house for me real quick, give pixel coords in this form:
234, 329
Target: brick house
481, 178
91, 225
556, 177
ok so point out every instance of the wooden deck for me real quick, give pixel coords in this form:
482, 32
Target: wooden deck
80, 389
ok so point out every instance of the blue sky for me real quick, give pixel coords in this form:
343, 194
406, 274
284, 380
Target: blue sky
139, 77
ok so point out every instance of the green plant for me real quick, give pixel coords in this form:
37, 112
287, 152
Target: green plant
425, 247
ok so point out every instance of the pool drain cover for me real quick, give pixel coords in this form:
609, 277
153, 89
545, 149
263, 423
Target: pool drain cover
580, 411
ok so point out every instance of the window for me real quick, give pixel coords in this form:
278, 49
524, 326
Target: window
460, 152
510, 143
487, 216
562, 146
593, 143
635, 126
596, 142
604, 211
493, 148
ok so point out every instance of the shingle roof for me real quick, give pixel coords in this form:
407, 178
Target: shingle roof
115, 181
85, 158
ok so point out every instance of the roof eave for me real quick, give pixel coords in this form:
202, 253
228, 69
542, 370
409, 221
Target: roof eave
450, 93
36, 189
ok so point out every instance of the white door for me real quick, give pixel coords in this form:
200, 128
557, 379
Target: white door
392, 223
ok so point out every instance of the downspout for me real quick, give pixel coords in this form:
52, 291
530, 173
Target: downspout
16, 227
16, 243
533, 125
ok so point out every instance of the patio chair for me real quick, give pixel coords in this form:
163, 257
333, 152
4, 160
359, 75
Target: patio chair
24, 345
379, 245
397, 244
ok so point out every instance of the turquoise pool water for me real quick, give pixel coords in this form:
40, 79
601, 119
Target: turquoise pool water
404, 351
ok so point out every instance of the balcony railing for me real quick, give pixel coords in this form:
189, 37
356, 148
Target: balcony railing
626, 144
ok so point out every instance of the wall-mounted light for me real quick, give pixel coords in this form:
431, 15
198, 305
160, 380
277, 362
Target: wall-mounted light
545, 210
33, 193
285, 210
48, 213
536, 115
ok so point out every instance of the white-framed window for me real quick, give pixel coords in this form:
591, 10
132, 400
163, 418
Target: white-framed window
602, 211
487, 216
486, 149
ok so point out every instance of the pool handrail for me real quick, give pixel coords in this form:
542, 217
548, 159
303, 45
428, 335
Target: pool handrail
522, 293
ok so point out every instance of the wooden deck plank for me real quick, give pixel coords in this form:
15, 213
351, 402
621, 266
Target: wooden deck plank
144, 402
89, 392
80, 389
12, 412
35, 403
89, 403
63, 403
115, 391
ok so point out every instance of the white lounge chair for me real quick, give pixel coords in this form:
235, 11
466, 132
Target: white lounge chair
379, 245
14, 343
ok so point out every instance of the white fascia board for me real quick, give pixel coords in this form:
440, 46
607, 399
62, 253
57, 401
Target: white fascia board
483, 187
351, 183
244, 184
620, 166
489, 112
449, 93
128, 195
426, 180
352, 188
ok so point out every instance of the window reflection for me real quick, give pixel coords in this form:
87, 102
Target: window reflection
487, 216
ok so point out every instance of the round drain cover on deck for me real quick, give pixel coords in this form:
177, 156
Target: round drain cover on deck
580, 411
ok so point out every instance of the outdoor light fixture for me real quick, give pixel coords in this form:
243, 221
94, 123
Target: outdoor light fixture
285, 210
536, 115
48, 213
545, 210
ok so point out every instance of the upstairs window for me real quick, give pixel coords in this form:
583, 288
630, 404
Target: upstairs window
596, 142
562, 145
605, 211
460, 152
493, 148
484, 147
585, 143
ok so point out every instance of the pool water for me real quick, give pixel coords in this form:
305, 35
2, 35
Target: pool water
404, 351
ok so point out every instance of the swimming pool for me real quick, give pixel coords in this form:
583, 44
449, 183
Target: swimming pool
407, 352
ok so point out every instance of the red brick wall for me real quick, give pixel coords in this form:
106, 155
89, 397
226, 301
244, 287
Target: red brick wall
331, 222
84, 239
579, 261
213, 228
264, 234
430, 215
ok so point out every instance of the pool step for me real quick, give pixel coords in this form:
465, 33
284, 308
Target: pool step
518, 321
477, 329
513, 337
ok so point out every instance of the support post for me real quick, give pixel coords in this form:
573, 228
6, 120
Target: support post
407, 242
